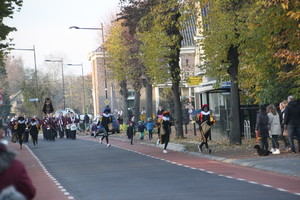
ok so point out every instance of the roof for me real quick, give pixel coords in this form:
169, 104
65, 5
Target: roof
13, 96
189, 32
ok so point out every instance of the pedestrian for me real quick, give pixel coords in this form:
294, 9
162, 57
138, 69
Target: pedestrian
120, 118
26, 134
166, 127
150, 125
274, 128
130, 132
292, 122
67, 122
15, 182
60, 125
86, 121
7, 127
13, 124
73, 125
51, 127
143, 111
141, 128
108, 109
104, 121
34, 130
284, 131
205, 120
1, 125
159, 119
261, 127
20, 129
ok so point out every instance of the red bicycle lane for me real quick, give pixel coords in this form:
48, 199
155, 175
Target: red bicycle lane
46, 186
252, 175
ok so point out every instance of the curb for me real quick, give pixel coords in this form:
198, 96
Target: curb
258, 163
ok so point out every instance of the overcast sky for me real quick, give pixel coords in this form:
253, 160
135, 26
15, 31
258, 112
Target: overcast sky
45, 24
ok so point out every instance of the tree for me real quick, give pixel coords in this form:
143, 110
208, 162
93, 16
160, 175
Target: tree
269, 29
15, 73
118, 50
223, 31
132, 12
161, 41
44, 90
7, 8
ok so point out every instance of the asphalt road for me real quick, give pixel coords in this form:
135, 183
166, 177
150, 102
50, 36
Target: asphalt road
91, 171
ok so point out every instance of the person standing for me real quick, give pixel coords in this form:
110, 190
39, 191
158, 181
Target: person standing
104, 121
205, 120
292, 121
67, 122
141, 129
13, 124
150, 126
274, 128
51, 127
34, 130
60, 125
261, 127
130, 132
13, 174
86, 121
7, 127
284, 130
45, 127
73, 125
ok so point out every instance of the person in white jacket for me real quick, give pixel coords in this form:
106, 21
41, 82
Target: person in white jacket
274, 128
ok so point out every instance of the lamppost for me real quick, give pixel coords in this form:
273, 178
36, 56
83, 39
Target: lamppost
63, 79
35, 71
83, 88
103, 50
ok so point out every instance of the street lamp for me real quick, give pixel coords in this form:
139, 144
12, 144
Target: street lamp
104, 58
63, 79
83, 107
35, 69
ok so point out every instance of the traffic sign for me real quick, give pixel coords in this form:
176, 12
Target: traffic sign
33, 99
106, 101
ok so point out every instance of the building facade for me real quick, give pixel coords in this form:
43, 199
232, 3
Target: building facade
105, 90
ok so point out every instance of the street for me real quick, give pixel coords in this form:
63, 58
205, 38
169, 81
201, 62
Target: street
89, 170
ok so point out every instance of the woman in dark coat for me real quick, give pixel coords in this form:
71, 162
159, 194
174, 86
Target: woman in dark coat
13, 173
261, 128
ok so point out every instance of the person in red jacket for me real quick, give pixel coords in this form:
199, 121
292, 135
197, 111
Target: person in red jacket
13, 173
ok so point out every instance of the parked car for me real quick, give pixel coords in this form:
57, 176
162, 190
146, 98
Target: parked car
113, 128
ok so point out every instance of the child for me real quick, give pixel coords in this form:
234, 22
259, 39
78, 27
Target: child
141, 129
150, 126
130, 131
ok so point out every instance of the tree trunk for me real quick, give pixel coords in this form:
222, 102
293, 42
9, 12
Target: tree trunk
173, 30
137, 102
234, 118
124, 93
148, 99
178, 112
